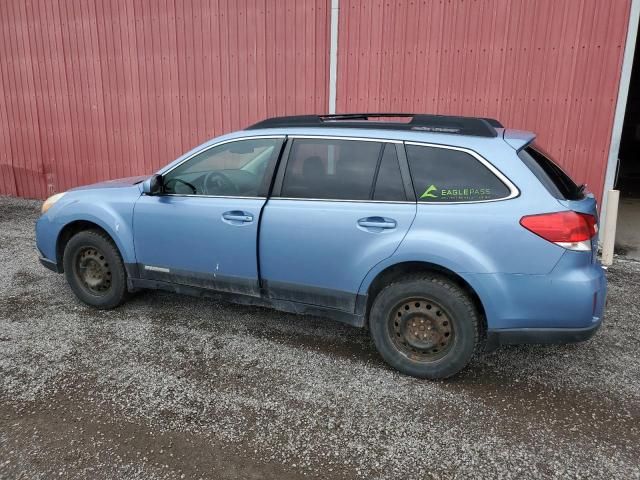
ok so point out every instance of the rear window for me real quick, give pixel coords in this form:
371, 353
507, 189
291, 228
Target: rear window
555, 180
444, 175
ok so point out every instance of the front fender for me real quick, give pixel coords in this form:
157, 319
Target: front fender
111, 212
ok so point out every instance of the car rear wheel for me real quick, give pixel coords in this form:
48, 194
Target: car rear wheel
425, 326
94, 269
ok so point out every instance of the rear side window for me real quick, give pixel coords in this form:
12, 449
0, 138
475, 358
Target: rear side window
555, 180
444, 175
341, 170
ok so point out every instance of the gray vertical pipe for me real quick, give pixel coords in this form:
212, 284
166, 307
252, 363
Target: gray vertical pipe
333, 55
621, 105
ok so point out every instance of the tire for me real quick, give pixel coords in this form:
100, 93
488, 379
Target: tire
94, 270
424, 326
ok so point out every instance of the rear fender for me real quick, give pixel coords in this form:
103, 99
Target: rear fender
453, 254
449, 251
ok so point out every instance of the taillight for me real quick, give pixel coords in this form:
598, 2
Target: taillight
571, 230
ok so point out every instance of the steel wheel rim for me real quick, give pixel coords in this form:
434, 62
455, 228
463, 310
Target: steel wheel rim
421, 329
93, 271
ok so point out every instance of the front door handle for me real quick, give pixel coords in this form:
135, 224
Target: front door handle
236, 217
377, 222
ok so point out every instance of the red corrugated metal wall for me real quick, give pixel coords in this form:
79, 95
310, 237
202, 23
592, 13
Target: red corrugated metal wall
93, 89
550, 66
98, 89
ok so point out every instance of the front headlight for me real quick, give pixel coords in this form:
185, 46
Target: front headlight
48, 203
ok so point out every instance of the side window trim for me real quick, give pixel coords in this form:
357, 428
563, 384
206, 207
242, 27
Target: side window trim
270, 168
402, 160
513, 190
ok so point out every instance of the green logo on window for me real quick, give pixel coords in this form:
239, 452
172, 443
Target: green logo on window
428, 192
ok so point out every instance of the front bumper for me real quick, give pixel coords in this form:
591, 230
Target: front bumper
540, 336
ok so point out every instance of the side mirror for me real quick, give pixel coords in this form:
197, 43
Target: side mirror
153, 185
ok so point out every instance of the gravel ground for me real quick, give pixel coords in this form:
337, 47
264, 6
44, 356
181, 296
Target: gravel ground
178, 387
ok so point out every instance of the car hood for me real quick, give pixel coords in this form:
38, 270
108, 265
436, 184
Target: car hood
117, 183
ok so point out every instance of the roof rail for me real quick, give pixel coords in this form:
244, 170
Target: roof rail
481, 127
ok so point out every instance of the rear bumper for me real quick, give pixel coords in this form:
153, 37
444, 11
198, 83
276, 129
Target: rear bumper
571, 298
540, 336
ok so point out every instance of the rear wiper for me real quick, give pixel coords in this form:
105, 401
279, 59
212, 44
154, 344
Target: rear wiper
581, 189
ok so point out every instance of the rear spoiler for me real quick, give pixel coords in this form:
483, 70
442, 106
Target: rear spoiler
518, 139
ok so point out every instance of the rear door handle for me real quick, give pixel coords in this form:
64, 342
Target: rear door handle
237, 216
377, 222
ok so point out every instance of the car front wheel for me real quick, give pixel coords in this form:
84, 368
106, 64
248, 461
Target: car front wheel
94, 269
425, 326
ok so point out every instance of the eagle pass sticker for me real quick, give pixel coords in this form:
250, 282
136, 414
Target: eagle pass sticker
455, 194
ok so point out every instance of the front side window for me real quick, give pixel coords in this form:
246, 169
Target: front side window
337, 169
232, 169
444, 175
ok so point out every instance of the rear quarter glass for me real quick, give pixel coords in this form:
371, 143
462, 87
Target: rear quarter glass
444, 175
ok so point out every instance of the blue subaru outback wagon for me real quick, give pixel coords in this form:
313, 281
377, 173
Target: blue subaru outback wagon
440, 234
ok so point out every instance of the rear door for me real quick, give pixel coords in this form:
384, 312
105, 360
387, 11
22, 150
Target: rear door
338, 208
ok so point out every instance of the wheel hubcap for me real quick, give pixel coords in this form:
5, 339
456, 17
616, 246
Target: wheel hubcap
93, 270
421, 329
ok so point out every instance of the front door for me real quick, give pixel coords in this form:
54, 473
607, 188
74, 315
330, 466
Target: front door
339, 207
202, 230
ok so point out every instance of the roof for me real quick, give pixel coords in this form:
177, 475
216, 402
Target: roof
473, 126
484, 145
